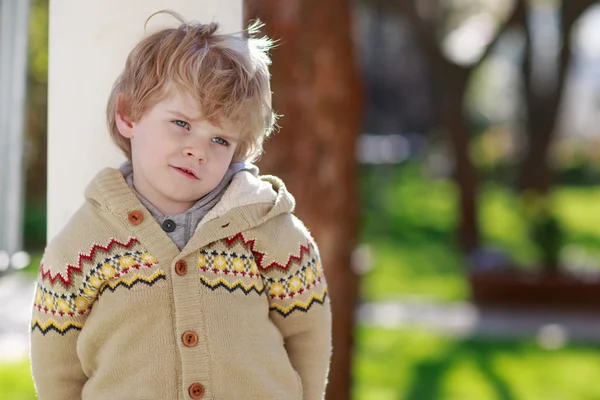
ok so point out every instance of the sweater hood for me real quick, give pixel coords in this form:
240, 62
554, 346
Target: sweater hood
253, 199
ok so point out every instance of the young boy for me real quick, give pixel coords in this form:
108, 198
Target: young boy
184, 275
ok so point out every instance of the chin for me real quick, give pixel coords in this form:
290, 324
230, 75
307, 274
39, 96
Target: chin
188, 198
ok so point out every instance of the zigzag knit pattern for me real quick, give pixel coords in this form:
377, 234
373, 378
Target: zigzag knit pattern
258, 255
303, 306
134, 280
52, 325
298, 289
65, 278
105, 274
229, 270
66, 303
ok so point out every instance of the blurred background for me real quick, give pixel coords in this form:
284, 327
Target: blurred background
445, 155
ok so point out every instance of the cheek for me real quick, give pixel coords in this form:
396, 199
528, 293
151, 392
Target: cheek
154, 143
220, 161
225, 156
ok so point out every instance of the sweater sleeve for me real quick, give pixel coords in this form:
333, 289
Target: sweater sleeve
300, 308
59, 312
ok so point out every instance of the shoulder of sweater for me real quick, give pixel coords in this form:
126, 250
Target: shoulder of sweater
281, 244
89, 232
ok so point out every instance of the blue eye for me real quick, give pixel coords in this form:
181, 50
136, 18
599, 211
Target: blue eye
182, 124
220, 141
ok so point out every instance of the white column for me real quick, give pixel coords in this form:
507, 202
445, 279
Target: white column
14, 21
89, 42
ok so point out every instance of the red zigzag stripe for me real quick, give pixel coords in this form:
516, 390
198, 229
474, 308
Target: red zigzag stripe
87, 257
258, 256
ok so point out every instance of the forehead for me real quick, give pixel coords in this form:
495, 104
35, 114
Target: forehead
181, 101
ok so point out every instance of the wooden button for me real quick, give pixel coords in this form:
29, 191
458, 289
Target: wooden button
196, 390
181, 267
189, 338
135, 217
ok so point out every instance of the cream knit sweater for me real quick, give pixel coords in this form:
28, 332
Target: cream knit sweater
240, 313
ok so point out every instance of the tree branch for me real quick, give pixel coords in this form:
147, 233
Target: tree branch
516, 17
425, 33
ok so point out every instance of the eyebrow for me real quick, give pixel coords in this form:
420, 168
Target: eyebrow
183, 116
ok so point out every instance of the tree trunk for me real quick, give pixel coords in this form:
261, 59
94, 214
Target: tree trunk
316, 88
454, 86
452, 81
543, 108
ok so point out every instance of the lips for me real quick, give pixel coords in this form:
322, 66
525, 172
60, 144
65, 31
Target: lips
186, 172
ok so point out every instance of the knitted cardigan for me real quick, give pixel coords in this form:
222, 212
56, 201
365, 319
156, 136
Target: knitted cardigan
241, 312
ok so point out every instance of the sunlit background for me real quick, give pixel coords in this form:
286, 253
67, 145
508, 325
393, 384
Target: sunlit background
479, 243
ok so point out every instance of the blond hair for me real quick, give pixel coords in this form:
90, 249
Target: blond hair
227, 74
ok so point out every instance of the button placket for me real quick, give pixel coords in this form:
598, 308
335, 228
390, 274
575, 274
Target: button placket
189, 338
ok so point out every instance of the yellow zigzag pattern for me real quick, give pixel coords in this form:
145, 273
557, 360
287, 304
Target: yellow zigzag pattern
53, 325
111, 285
233, 286
300, 305
134, 279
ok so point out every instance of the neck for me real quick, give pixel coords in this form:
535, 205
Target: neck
162, 205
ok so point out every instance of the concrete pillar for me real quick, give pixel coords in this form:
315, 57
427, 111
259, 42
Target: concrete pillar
89, 42
14, 23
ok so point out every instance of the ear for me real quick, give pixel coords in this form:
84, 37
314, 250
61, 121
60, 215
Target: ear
124, 122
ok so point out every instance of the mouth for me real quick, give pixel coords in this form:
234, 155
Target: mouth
188, 173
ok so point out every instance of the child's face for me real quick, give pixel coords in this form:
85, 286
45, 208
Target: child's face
177, 156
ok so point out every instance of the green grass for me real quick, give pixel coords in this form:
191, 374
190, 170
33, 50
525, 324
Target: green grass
503, 225
409, 222
16, 382
415, 269
579, 210
408, 225
419, 365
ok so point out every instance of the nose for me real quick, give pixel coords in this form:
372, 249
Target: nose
197, 151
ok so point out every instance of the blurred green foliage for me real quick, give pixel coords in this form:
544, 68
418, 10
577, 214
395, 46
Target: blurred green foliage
37, 92
38, 41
